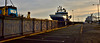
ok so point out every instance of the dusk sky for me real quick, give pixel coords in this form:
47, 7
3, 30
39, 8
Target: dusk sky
43, 8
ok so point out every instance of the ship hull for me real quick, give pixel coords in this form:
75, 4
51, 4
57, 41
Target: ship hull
57, 17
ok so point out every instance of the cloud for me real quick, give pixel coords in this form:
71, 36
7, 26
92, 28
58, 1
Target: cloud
43, 8
42, 13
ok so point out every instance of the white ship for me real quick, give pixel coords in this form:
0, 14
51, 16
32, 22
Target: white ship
61, 15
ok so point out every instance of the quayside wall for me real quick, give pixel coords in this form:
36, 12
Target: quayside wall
12, 27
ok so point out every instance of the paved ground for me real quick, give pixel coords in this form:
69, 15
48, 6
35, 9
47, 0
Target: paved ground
87, 33
91, 33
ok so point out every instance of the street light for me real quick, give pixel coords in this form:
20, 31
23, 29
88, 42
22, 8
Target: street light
97, 9
73, 15
78, 19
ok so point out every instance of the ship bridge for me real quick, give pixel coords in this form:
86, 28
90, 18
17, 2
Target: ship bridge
63, 13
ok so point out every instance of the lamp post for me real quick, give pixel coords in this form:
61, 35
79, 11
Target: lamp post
98, 8
73, 15
78, 19
98, 11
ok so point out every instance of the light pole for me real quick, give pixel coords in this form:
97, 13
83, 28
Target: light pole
98, 11
98, 8
73, 15
78, 19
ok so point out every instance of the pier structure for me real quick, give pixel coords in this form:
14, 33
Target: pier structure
18, 26
78, 33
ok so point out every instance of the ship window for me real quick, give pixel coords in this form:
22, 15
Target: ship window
13, 11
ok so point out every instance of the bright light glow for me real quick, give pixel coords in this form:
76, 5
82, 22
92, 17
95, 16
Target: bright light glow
64, 16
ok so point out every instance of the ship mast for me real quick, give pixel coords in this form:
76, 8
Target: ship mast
61, 9
5, 7
5, 2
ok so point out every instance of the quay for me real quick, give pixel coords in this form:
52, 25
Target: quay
78, 33
11, 27
66, 26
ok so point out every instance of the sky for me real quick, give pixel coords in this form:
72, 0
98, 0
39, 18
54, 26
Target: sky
43, 8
